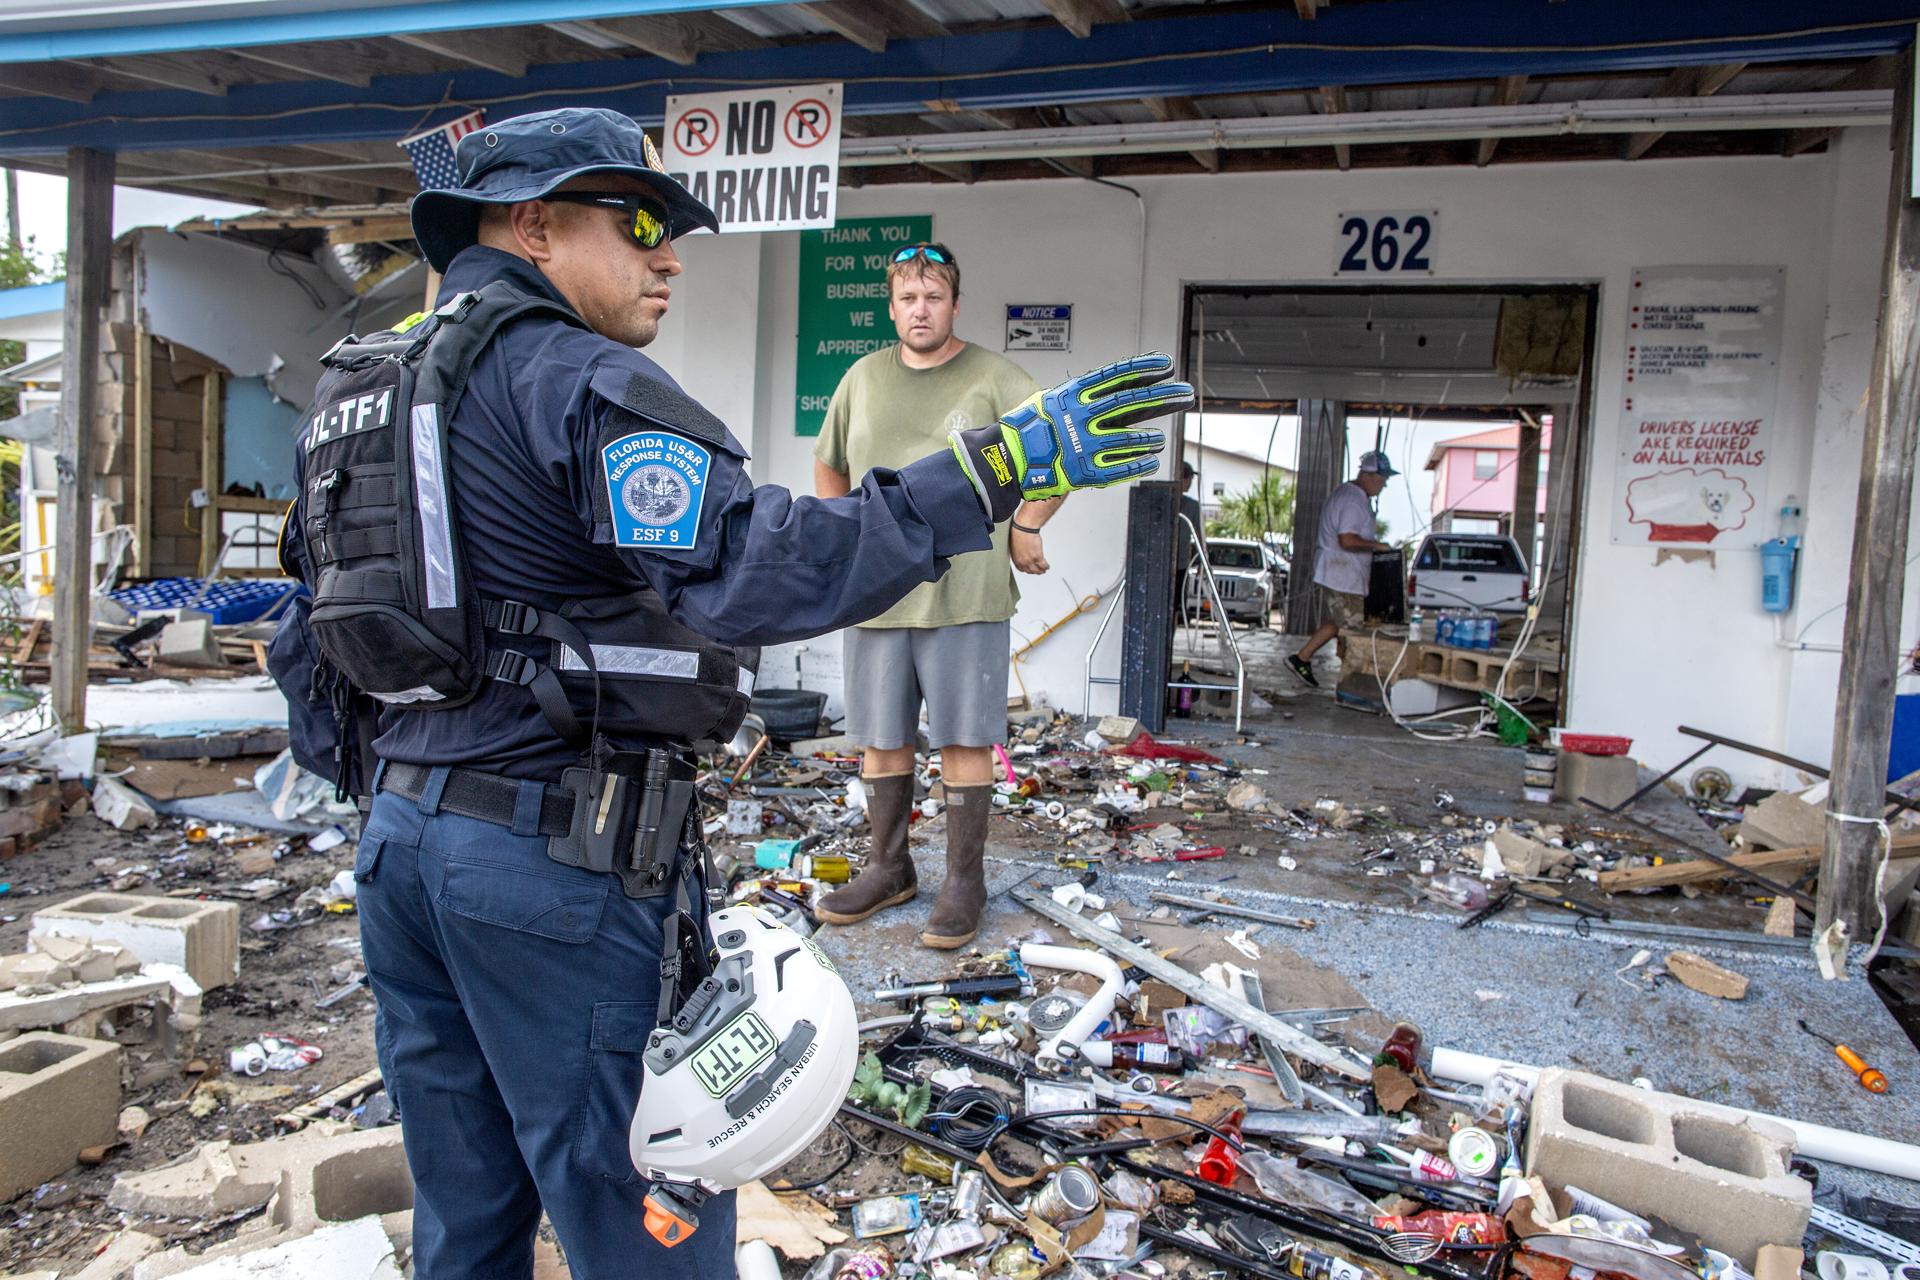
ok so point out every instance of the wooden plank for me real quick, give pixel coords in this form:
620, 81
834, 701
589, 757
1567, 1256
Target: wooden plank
371, 231
1082, 16
142, 438
1685, 82
23, 651
89, 268
871, 23
1182, 108
1333, 101
1870, 654
65, 80
211, 462
491, 50
1506, 93
1696, 870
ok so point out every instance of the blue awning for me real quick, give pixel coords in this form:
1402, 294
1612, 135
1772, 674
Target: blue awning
32, 300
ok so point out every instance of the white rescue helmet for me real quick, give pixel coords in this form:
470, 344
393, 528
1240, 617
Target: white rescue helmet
753, 1066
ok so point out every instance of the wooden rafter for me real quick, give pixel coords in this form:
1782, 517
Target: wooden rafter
1683, 82
1876, 73
677, 37
208, 71
1333, 101
353, 62
1506, 93
1308, 10
1081, 16
871, 23
1182, 108
67, 80
491, 49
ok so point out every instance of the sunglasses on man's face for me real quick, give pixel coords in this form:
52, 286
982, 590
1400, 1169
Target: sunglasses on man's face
648, 225
931, 252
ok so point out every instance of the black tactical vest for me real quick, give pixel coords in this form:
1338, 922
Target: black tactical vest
394, 610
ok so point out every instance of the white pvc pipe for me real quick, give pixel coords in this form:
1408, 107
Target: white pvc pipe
1096, 1010
1815, 1141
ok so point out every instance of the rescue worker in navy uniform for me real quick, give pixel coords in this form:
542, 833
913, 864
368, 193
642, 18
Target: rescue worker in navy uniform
515, 993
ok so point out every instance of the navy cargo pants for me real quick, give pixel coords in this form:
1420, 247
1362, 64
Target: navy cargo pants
515, 996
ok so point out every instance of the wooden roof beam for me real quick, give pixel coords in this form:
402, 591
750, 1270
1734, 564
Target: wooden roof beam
1307, 11
1875, 73
1506, 93
677, 37
1333, 101
1683, 82
317, 58
490, 50
209, 72
871, 23
71, 81
1182, 108
1081, 16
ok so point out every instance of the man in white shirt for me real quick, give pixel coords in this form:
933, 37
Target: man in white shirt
1343, 556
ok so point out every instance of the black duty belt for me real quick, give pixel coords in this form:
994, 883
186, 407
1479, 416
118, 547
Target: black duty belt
485, 796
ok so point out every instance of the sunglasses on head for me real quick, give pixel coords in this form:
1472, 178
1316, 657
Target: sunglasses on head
931, 252
649, 225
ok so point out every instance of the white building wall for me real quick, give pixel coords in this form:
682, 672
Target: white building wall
1655, 644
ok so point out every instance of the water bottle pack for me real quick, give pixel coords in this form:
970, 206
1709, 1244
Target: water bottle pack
1467, 629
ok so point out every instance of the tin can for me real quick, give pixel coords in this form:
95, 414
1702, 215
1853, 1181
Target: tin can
833, 868
915, 1158
1073, 1193
969, 1195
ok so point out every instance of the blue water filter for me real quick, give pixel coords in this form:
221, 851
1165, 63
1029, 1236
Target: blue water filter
1777, 559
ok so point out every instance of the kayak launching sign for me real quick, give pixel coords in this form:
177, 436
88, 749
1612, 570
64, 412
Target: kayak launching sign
1697, 411
761, 159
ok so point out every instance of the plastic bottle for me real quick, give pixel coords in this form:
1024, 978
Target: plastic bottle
1134, 1057
1220, 1163
1413, 626
754, 1260
1403, 1046
1443, 629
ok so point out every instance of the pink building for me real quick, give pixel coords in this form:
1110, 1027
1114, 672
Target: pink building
1474, 478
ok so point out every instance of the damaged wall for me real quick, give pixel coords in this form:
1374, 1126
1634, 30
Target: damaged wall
1655, 645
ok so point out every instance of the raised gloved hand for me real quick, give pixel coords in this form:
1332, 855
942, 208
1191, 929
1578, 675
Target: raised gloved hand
1074, 436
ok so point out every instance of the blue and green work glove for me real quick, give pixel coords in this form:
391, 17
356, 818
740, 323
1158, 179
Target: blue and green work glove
1078, 435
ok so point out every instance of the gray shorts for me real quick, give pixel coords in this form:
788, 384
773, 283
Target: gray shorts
961, 672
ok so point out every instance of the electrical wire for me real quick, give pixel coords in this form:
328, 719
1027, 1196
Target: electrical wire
831, 1174
1266, 48
958, 1121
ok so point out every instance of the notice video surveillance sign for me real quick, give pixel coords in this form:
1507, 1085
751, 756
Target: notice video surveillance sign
1039, 327
761, 159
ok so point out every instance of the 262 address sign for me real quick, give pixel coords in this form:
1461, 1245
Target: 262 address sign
1393, 243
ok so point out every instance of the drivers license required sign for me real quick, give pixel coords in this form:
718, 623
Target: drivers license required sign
761, 159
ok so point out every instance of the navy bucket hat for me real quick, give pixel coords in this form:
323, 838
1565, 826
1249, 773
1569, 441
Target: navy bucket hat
527, 156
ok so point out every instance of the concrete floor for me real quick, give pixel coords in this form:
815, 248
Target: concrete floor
1513, 988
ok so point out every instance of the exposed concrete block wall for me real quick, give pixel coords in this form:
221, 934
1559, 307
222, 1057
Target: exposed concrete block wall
1710, 1170
201, 937
58, 1096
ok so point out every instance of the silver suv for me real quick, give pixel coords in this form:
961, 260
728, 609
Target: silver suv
1240, 571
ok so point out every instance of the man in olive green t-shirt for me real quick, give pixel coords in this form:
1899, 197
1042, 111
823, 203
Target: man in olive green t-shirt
946, 643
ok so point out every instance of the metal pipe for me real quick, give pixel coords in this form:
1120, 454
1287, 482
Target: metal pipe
1780, 757
1359, 128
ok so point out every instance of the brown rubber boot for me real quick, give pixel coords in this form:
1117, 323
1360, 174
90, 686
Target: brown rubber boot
888, 878
956, 912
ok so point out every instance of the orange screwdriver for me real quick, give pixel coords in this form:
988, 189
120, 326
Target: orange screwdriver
1870, 1080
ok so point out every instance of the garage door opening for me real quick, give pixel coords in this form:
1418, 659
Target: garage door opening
1478, 399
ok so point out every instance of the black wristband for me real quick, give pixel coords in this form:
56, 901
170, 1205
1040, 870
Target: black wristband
983, 453
1022, 528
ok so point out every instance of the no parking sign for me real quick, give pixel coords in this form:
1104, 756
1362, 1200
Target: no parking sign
762, 159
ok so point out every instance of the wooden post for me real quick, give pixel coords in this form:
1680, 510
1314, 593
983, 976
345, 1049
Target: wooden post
142, 373
89, 244
1526, 491
212, 458
1870, 650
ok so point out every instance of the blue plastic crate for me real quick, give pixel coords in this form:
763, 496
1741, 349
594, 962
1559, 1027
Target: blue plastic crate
225, 600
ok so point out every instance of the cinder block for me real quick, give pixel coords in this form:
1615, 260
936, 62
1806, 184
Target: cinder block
1711, 1170
58, 1096
189, 644
201, 937
1606, 780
